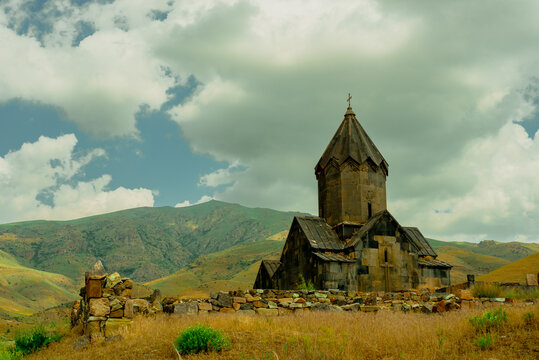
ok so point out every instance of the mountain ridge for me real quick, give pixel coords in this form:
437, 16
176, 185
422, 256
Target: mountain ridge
209, 246
142, 243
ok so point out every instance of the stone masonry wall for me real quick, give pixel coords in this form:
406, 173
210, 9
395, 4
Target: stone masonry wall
107, 304
283, 302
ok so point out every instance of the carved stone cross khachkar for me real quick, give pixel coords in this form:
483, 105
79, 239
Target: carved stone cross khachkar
349, 98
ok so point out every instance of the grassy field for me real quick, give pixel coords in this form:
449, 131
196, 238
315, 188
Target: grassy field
382, 335
514, 272
230, 269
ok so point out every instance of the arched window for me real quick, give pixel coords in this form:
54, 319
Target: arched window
369, 209
385, 256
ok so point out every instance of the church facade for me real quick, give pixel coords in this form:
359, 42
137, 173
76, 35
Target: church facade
354, 243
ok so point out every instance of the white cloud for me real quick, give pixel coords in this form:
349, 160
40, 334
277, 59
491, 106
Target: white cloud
49, 166
203, 199
435, 85
502, 200
426, 84
183, 204
101, 84
220, 176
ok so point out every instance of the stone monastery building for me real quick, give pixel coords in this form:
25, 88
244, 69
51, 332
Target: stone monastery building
354, 243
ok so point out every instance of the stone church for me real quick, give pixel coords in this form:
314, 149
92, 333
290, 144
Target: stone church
355, 243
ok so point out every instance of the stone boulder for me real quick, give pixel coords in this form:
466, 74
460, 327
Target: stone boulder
225, 300
98, 269
136, 306
351, 307
267, 312
99, 307
186, 308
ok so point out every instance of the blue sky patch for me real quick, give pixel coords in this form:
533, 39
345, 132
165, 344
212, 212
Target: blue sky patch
159, 160
84, 29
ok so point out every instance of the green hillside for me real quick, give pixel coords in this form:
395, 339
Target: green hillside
511, 251
209, 246
237, 267
480, 258
467, 262
230, 269
142, 243
514, 272
24, 291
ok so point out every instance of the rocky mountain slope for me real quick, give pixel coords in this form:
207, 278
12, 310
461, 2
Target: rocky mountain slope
142, 243
190, 250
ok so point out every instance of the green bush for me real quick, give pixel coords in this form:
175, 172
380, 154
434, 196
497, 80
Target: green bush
484, 342
27, 342
528, 318
201, 338
303, 285
487, 291
489, 320
9, 354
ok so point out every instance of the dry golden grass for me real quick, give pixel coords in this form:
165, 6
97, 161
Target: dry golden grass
514, 272
383, 335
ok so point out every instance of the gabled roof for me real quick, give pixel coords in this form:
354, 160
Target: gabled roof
271, 266
417, 239
351, 141
434, 263
319, 233
332, 257
369, 225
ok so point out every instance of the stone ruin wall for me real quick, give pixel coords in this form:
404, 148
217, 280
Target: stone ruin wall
107, 304
285, 302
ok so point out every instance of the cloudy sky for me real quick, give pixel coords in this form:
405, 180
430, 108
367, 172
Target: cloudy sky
112, 104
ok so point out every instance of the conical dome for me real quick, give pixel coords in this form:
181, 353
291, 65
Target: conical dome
351, 141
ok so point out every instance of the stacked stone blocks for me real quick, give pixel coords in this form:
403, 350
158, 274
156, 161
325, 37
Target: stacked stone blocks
106, 304
284, 302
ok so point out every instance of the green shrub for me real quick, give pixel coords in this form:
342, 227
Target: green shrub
487, 291
484, 342
528, 318
305, 286
201, 338
27, 342
9, 354
489, 320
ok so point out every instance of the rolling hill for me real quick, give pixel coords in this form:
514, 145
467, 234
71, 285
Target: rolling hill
192, 250
225, 271
142, 243
233, 268
514, 272
24, 291
480, 258
511, 251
